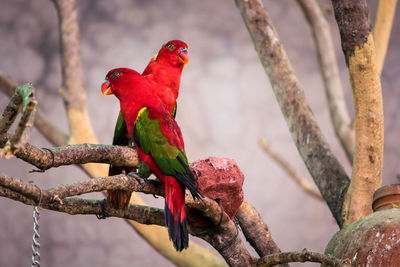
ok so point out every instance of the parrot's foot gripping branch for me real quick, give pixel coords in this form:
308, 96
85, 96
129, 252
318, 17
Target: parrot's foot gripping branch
140, 180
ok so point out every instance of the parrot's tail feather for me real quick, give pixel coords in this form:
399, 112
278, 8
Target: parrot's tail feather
118, 199
177, 229
175, 216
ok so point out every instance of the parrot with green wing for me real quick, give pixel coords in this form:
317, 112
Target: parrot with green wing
164, 74
159, 143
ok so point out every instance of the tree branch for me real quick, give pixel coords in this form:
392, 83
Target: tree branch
323, 166
302, 182
8, 85
46, 158
358, 47
23, 99
256, 230
330, 72
383, 26
301, 256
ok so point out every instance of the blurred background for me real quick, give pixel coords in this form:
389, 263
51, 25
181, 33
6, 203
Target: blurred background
226, 104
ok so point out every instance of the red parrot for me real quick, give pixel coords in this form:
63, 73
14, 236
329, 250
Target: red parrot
159, 143
164, 74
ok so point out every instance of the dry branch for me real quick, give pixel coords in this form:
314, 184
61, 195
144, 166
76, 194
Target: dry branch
358, 47
8, 85
323, 166
256, 230
383, 26
46, 158
301, 256
23, 99
286, 166
330, 72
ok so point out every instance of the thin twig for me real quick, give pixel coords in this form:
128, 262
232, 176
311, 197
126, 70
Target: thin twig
301, 256
82, 187
326, 170
383, 26
8, 85
330, 72
286, 166
23, 99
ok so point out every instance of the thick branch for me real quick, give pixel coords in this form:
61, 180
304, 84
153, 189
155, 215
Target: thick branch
358, 47
223, 238
8, 85
383, 26
23, 99
46, 158
323, 166
330, 72
256, 230
302, 182
301, 256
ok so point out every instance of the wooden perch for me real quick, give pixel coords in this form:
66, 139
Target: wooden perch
323, 166
286, 166
330, 72
382, 28
302, 256
23, 99
358, 48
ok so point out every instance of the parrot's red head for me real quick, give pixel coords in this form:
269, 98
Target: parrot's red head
174, 52
122, 80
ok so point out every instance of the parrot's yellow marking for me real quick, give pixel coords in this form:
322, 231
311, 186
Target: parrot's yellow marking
140, 112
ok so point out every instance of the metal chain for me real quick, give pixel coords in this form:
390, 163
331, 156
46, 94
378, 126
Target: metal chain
36, 236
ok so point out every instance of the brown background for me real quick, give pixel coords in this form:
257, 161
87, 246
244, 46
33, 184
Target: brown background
225, 105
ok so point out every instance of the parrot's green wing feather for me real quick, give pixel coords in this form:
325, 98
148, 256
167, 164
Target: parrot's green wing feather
169, 159
121, 136
173, 113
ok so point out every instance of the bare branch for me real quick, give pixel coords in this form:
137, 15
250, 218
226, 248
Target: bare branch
256, 230
82, 187
358, 47
75, 206
46, 158
330, 72
23, 99
224, 238
323, 166
383, 26
301, 181
302, 256
8, 85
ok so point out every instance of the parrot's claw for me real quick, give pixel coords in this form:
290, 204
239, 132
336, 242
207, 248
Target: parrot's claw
141, 181
103, 214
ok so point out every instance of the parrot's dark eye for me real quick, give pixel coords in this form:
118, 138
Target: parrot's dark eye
170, 47
116, 74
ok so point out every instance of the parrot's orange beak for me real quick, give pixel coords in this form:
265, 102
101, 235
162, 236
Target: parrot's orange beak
183, 56
106, 87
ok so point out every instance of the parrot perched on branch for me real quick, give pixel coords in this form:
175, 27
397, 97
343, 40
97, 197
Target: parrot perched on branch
164, 74
159, 143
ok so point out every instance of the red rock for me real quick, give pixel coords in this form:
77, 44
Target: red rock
220, 179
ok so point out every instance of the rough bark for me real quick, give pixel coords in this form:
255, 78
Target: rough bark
301, 256
8, 85
330, 72
323, 166
256, 230
359, 51
23, 100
